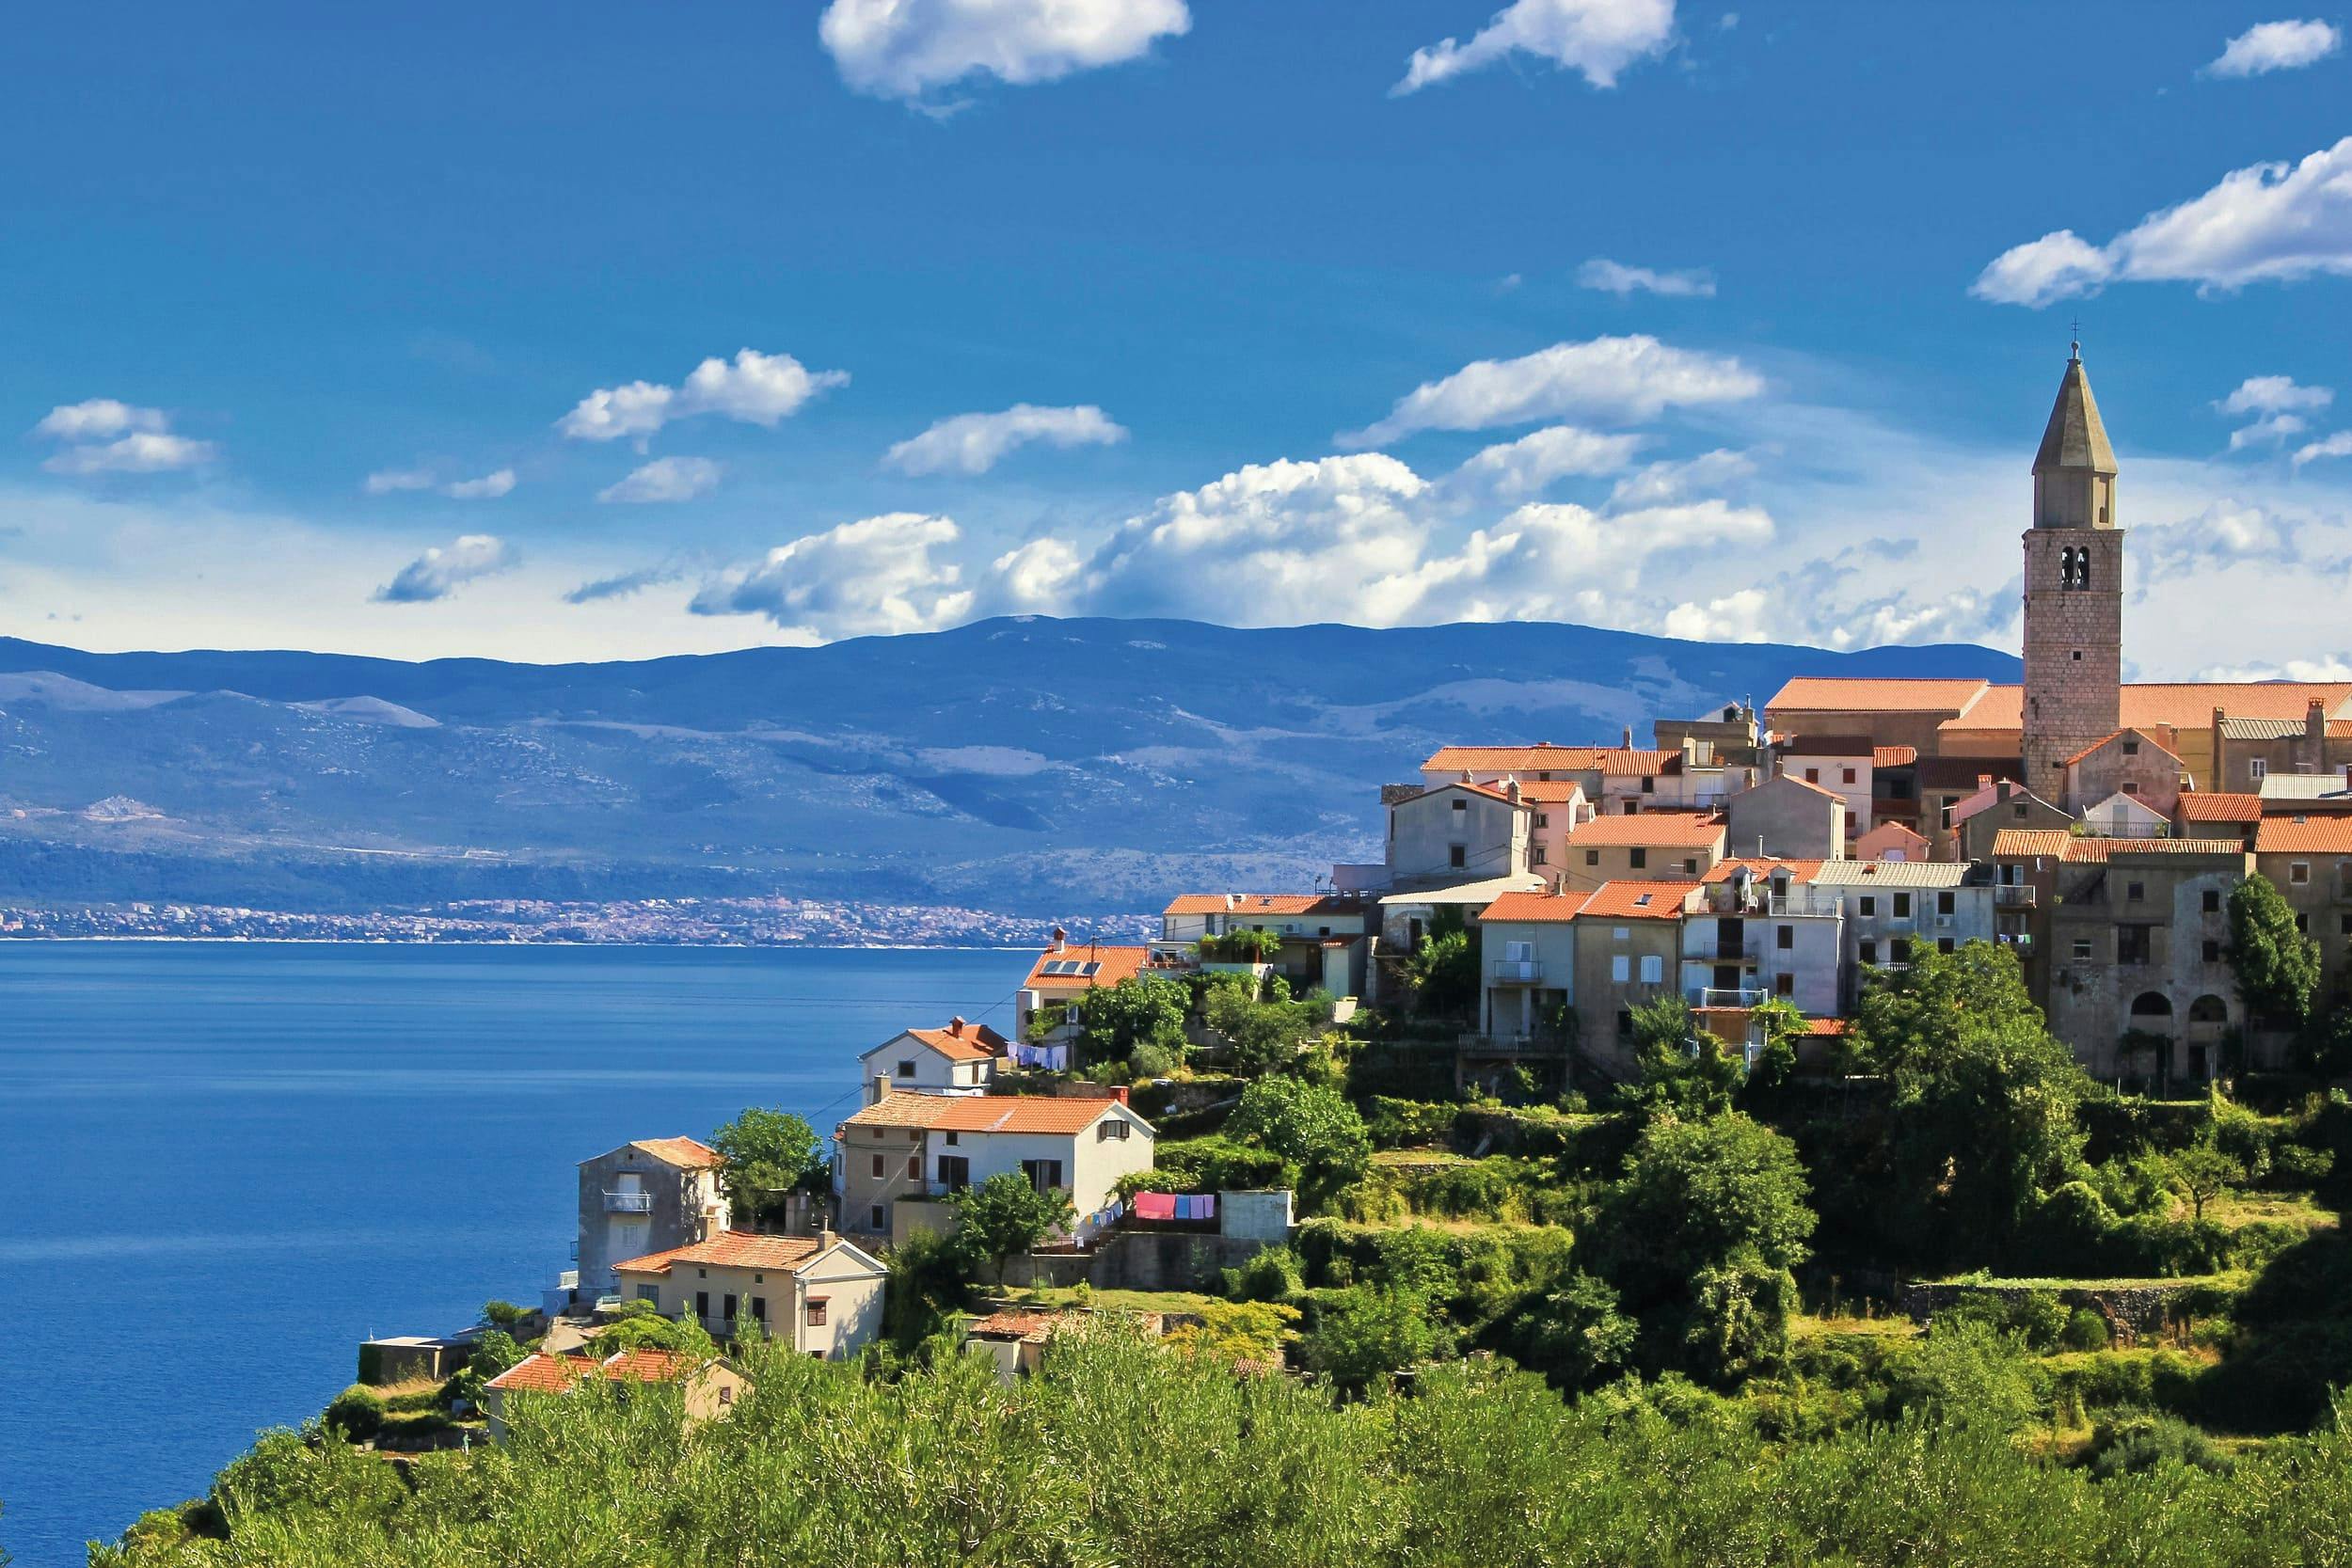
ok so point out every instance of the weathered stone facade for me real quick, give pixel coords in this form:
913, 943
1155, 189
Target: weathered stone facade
2074, 589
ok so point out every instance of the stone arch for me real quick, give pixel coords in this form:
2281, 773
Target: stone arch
2208, 1018
2151, 1010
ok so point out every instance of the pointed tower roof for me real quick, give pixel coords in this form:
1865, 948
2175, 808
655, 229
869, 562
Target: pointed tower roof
2075, 438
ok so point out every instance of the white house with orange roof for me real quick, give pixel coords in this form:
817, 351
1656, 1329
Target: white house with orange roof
644, 1195
1059, 982
1526, 962
1760, 932
1652, 846
962, 1058
1324, 935
898, 1159
1558, 808
709, 1385
1843, 765
821, 1295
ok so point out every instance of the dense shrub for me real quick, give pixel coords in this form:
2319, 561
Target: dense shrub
1212, 1164
357, 1413
1273, 1275
2085, 1330
2130, 1445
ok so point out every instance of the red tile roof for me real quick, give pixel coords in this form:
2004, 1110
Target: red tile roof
2173, 706
2330, 834
1630, 900
1080, 966
1870, 694
2018, 843
2127, 729
648, 1365
736, 1249
2059, 844
994, 1112
1259, 903
685, 1153
2220, 806
1550, 791
1649, 830
1013, 1323
1544, 757
963, 1041
1894, 756
1762, 865
1533, 908
540, 1373
1831, 1027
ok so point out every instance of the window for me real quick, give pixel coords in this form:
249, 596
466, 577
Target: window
914, 1168
1784, 985
2135, 892
906, 1069
1461, 806
1456, 856
2213, 951
875, 1218
1044, 1174
1869, 952
1637, 859
815, 1313
2256, 768
1785, 938
955, 1172
1653, 968
2344, 925
1543, 819
2018, 810
1902, 906
1691, 867
1112, 1130
2133, 944
1869, 906
1899, 951
702, 1304
1943, 944
2211, 903
1620, 968
1946, 902
878, 1166
1625, 1024
759, 1309
2082, 950
1849, 775
952, 1136
2299, 872
2078, 659
1813, 775
2303, 924
1535, 855
2130, 788
1649, 786
649, 1292
726, 1395
1592, 857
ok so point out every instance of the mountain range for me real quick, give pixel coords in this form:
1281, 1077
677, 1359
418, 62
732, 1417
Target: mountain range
1021, 765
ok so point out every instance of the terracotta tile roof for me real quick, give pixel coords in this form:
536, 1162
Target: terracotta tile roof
2189, 705
1544, 757
1764, 865
1830, 746
1894, 756
1830, 1027
995, 1112
1638, 900
2019, 843
1259, 903
1804, 784
2220, 806
1550, 791
963, 1041
2001, 708
648, 1365
2300, 835
1620, 760
1649, 830
1535, 908
2130, 731
685, 1153
1080, 965
736, 1249
1028, 1327
2339, 729
1902, 874
540, 1373
1870, 694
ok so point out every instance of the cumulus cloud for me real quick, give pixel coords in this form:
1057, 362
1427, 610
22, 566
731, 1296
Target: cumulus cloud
2270, 46
973, 443
1036, 576
2274, 395
1664, 484
386, 481
98, 420
622, 584
1612, 379
2268, 223
755, 388
442, 571
114, 437
1597, 39
1617, 279
875, 576
2338, 445
2270, 430
488, 488
2335, 667
665, 479
905, 48
1526, 465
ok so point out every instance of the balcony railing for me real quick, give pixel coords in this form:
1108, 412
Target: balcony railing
2013, 895
629, 1203
1517, 971
1719, 996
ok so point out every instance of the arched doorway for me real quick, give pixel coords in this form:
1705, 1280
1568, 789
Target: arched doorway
2149, 1029
2208, 1027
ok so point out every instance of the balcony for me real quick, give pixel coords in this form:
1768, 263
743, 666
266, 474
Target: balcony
629, 1203
1718, 996
2013, 895
1519, 972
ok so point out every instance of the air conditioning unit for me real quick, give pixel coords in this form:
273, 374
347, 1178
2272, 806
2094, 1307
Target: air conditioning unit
1944, 922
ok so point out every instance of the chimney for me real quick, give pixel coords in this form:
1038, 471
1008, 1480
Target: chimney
826, 1240
1629, 738
1061, 939
1511, 789
2315, 726
879, 1089
955, 1026
1119, 1092
2003, 790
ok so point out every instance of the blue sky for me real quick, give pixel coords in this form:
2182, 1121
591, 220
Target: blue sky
321, 297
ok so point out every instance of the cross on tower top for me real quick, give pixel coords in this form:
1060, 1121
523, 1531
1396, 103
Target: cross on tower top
2074, 349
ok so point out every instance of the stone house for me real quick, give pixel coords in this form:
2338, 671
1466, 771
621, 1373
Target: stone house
1459, 832
1760, 932
1628, 953
1893, 908
821, 1295
1616, 780
962, 1058
2001, 805
1647, 846
1788, 818
2122, 815
2130, 762
1526, 962
644, 1197
2308, 855
2250, 749
2203, 814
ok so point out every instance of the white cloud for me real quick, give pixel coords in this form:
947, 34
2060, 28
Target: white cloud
2333, 667
2274, 395
904, 48
2276, 46
488, 488
665, 479
1743, 615
441, 572
386, 481
1664, 484
1036, 575
1617, 279
1597, 39
98, 419
756, 389
2270, 430
2266, 223
1526, 465
2338, 445
875, 576
139, 453
1619, 380
973, 443
622, 584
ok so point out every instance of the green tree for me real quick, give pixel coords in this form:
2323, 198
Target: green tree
1004, 1214
769, 1154
2277, 966
1702, 1194
1363, 1334
1684, 1071
2204, 1171
1310, 1125
1777, 1062
1147, 1009
1576, 1334
1983, 1115
1443, 972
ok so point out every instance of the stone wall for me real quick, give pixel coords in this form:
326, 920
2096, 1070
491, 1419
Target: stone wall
2074, 650
1139, 1260
2132, 1311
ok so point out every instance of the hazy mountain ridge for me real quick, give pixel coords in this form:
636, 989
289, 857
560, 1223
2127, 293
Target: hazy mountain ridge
1013, 765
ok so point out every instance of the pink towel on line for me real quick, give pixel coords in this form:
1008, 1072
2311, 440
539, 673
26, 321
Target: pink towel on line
1156, 1206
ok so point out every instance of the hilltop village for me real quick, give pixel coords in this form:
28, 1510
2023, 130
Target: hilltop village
1942, 1058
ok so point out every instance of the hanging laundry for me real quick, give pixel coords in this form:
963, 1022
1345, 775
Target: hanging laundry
1156, 1206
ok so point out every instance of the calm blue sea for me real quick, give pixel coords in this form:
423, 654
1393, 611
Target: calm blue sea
225, 1165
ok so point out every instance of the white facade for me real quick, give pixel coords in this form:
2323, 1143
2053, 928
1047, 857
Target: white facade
911, 1062
1458, 832
1894, 909
1527, 971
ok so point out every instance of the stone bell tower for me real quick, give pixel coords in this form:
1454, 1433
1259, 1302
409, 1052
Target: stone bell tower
2073, 588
